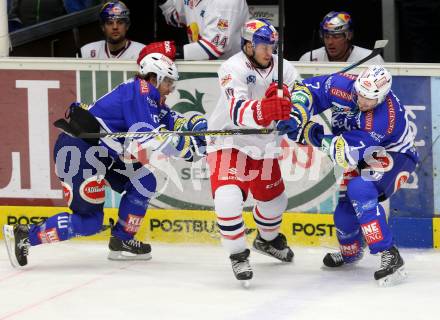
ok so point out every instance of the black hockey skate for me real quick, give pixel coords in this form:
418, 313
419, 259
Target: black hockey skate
333, 260
336, 259
240, 265
128, 249
277, 248
17, 243
392, 270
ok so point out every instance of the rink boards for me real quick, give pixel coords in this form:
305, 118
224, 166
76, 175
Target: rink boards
35, 92
197, 226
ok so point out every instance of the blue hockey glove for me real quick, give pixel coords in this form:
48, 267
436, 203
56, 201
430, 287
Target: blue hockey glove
198, 123
312, 134
292, 126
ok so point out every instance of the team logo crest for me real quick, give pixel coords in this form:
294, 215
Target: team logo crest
222, 24
225, 80
92, 190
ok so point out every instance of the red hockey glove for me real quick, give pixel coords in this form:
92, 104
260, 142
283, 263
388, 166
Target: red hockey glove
167, 48
273, 90
270, 109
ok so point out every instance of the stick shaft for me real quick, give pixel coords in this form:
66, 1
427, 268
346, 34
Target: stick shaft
231, 132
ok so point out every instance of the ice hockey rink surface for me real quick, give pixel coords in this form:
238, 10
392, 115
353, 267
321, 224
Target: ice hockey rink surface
74, 280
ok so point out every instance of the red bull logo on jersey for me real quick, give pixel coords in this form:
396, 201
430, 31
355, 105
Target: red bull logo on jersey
222, 24
225, 80
93, 190
372, 232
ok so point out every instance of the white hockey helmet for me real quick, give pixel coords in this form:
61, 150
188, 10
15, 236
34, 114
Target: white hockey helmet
160, 65
374, 83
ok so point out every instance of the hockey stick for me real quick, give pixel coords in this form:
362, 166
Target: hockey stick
378, 47
75, 32
232, 132
280, 46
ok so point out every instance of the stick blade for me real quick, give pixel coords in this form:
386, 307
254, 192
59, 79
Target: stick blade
379, 44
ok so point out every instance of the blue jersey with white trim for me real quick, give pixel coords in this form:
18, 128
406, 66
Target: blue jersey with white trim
386, 126
133, 106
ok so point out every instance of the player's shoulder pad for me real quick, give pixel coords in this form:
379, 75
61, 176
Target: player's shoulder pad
388, 114
301, 95
340, 86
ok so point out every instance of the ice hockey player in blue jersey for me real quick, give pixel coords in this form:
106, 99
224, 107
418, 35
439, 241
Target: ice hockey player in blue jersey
373, 141
85, 167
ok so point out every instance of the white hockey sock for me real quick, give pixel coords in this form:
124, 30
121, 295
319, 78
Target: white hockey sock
228, 203
268, 216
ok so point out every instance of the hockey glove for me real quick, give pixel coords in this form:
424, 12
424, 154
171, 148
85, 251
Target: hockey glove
167, 48
270, 109
312, 134
293, 126
198, 123
169, 12
273, 90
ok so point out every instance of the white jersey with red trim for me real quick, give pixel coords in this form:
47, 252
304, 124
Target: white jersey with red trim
100, 50
356, 54
213, 26
242, 87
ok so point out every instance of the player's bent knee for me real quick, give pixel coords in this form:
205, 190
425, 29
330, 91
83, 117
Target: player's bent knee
274, 206
88, 224
228, 201
359, 189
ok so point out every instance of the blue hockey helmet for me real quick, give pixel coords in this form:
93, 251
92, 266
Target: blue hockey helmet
114, 10
336, 22
259, 31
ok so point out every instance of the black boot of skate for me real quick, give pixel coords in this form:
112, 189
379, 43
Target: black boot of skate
392, 270
277, 248
240, 265
128, 249
336, 259
333, 260
17, 243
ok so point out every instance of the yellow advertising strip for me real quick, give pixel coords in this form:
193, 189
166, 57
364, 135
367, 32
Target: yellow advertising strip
191, 226
436, 232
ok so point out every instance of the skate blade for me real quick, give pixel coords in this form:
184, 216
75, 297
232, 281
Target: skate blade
391, 280
127, 256
8, 235
246, 284
269, 255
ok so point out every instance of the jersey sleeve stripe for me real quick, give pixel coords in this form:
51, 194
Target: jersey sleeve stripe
237, 106
210, 47
246, 105
231, 107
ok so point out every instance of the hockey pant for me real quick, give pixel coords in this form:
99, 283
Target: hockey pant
359, 216
84, 172
233, 175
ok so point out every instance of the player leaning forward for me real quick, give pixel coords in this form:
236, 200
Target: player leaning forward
248, 163
85, 167
374, 141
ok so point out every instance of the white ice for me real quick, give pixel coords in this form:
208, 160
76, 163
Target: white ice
74, 280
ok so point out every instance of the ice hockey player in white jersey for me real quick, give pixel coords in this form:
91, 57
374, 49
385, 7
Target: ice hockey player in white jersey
336, 32
115, 21
213, 27
240, 164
